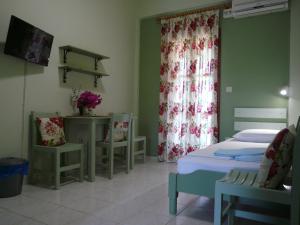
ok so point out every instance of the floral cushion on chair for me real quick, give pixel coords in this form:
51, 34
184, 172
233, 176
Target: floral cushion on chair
119, 133
51, 130
278, 159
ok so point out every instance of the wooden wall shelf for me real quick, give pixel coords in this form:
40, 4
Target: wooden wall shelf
68, 48
96, 74
97, 57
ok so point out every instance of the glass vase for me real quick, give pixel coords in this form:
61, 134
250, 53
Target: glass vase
82, 110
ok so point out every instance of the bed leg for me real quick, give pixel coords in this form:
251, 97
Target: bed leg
218, 218
173, 194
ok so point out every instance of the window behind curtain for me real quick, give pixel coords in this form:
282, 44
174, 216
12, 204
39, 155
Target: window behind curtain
189, 84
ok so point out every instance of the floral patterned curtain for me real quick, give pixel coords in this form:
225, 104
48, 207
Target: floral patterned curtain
189, 84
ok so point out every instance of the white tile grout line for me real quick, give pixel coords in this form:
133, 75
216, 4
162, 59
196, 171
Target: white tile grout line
18, 214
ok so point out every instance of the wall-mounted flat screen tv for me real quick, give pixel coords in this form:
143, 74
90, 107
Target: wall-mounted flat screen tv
28, 42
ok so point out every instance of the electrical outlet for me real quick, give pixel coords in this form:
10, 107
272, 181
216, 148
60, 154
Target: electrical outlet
228, 89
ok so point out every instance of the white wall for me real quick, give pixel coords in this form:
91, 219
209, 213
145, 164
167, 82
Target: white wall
105, 27
294, 103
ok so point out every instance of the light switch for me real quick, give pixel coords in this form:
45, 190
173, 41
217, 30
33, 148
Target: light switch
228, 89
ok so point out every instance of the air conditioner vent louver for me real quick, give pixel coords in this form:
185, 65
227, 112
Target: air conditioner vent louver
244, 8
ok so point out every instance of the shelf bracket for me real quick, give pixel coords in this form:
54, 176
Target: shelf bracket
66, 70
66, 51
96, 81
96, 62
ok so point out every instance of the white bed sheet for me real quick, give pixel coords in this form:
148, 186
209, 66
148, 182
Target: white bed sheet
205, 159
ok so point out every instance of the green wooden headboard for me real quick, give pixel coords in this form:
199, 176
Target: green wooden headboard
260, 118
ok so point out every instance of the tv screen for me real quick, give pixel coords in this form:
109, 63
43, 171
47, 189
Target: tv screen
28, 42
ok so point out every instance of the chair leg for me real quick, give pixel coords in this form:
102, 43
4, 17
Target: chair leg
132, 144
111, 163
127, 159
57, 170
132, 154
218, 206
32, 170
81, 164
145, 144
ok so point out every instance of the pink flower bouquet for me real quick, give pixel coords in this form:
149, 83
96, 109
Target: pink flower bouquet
88, 100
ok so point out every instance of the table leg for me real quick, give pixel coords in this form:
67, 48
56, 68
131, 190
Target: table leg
67, 130
91, 151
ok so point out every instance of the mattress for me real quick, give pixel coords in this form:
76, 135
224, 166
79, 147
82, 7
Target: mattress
204, 159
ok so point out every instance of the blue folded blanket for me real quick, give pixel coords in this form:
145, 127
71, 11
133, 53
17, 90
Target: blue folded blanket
239, 152
244, 154
249, 158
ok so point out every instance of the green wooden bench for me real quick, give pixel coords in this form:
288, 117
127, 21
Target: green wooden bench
243, 184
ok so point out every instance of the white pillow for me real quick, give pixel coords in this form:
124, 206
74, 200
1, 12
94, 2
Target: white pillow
256, 135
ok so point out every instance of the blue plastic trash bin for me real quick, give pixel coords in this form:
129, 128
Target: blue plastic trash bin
12, 171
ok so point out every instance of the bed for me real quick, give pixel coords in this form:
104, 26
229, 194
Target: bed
198, 172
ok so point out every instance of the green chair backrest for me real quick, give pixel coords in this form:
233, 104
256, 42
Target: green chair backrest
34, 132
124, 118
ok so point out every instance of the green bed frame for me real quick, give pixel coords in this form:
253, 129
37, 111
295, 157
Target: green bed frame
200, 182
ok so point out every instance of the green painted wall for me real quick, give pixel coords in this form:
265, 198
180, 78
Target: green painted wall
255, 63
149, 82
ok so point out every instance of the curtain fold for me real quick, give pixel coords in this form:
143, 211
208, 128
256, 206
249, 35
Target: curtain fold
189, 84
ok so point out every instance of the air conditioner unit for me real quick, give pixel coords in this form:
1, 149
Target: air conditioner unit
244, 8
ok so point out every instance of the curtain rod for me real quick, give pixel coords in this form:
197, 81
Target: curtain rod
221, 6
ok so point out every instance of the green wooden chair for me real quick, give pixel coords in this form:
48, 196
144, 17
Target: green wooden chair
138, 145
38, 171
111, 144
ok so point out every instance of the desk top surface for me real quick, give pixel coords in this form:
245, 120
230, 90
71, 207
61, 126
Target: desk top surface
88, 117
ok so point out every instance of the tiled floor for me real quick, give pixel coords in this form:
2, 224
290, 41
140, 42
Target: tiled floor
137, 198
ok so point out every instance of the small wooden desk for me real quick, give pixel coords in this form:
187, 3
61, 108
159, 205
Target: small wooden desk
91, 122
